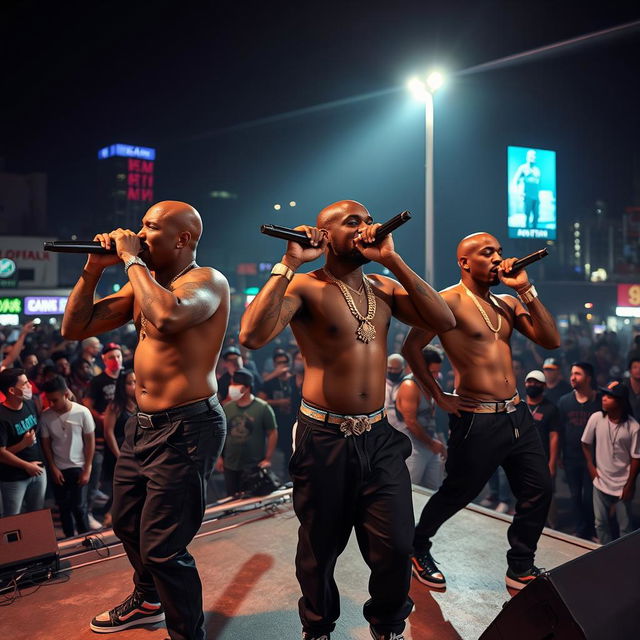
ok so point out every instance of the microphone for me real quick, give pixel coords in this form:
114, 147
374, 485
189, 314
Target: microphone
521, 263
82, 246
285, 233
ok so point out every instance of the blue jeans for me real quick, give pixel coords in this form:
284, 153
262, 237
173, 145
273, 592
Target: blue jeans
29, 491
603, 505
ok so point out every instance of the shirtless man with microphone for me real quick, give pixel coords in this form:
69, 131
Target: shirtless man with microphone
489, 424
181, 311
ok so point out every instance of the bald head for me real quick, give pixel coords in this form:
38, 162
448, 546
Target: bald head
339, 210
473, 242
182, 217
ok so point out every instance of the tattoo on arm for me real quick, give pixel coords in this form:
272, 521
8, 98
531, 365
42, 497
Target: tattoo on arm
288, 311
105, 311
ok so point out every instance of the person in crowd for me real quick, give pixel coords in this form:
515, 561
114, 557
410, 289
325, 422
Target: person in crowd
232, 361
490, 425
29, 360
181, 312
547, 419
395, 373
62, 364
23, 480
250, 365
278, 392
118, 411
67, 433
80, 379
11, 352
348, 465
575, 410
633, 384
556, 385
415, 409
101, 392
613, 432
269, 369
91, 347
252, 432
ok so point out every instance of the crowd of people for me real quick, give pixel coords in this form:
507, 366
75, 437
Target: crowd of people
65, 403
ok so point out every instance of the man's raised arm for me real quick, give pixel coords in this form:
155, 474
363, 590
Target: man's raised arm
277, 302
83, 316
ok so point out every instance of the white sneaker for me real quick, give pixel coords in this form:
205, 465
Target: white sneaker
94, 525
502, 507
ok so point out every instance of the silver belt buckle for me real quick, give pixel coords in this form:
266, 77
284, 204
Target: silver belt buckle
510, 406
145, 421
355, 426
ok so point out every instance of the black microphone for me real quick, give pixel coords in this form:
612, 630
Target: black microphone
521, 263
83, 246
285, 233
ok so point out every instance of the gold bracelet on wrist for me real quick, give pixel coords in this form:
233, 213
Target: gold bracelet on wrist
528, 295
280, 269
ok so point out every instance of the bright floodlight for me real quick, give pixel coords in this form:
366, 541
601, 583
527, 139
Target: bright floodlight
435, 80
292, 203
417, 88
277, 207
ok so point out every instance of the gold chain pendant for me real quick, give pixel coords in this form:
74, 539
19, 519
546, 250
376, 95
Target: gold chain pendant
366, 332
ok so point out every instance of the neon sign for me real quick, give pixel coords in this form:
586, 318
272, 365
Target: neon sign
127, 151
44, 305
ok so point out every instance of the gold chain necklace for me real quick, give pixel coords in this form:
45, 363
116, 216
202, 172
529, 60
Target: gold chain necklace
483, 312
143, 320
366, 332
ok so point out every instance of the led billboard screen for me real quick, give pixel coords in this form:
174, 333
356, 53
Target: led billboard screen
531, 180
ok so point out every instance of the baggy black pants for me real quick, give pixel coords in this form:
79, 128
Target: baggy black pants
478, 444
71, 499
357, 482
158, 504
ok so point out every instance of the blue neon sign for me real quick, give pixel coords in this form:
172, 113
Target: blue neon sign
127, 151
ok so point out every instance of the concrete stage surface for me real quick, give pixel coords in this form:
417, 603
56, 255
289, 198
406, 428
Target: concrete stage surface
250, 591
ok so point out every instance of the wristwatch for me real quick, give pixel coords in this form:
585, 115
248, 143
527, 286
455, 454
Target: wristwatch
529, 295
280, 269
131, 261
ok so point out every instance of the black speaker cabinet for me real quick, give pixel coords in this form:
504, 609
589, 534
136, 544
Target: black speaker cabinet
27, 541
594, 597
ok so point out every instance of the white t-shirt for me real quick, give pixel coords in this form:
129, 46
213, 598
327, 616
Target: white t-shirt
65, 431
616, 444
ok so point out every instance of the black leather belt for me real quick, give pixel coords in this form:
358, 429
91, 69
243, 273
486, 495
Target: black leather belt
160, 418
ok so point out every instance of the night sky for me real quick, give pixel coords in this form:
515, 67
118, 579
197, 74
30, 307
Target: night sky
192, 78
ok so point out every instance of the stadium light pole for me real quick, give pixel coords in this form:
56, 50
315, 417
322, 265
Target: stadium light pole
423, 90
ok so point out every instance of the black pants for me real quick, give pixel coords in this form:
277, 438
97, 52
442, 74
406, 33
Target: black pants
232, 481
581, 490
478, 444
357, 482
71, 499
158, 504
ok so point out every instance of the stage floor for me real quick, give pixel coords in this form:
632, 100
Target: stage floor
250, 591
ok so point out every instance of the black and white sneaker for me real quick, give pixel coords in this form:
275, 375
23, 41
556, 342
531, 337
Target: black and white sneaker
134, 611
424, 568
521, 580
385, 636
310, 636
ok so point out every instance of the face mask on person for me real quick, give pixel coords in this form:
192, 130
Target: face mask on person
534, 391
26, 392
236, 391
395, 376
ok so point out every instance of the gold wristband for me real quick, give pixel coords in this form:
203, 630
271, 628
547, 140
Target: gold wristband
280, 269
529, 295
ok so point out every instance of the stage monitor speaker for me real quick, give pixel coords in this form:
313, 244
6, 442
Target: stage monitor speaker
27, 540
594, 597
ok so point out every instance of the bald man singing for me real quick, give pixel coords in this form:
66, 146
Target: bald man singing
181, 311
348, 465
489, 424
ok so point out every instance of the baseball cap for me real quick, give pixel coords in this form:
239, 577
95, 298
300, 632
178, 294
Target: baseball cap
536, 375
243, 376
231, 351
551, 363
111, 346
616, 389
